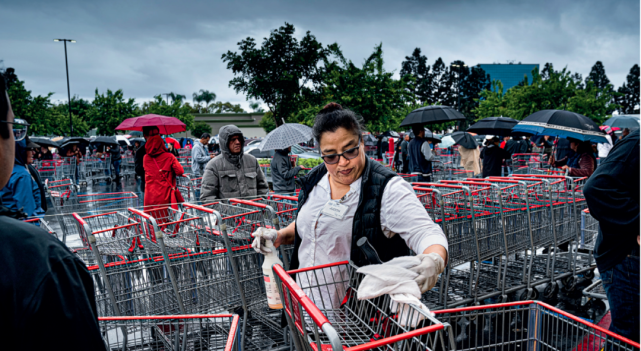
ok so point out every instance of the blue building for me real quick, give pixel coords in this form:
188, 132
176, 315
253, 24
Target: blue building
510, 74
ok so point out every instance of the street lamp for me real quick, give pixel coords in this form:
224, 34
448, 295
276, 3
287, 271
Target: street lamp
68, 90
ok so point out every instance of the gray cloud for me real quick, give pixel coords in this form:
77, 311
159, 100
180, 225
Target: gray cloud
151, 47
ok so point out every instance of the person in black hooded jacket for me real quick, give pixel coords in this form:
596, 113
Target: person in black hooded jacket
283, 173
493, 156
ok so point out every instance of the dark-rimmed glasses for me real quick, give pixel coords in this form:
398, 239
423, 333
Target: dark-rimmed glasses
20, 127
348, 154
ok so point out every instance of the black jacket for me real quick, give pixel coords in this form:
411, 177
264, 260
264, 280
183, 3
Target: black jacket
138, 168
417, 161
493, 157
47, 292
115, 153
512, 147
612, 194
282, 172
367, 220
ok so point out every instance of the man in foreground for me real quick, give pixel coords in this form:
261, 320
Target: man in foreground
47, 293
612, 194
232, 173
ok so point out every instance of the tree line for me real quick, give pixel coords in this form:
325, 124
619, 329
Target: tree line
107, 110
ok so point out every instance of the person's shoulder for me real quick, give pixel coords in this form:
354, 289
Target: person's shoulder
32, 243
249, 159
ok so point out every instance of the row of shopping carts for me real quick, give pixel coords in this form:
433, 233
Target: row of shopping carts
184, 260
498, 230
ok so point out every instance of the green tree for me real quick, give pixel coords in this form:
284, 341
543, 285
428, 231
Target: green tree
560, 90
267, 122
255, 106
628, 98
597, 76
200, 128
177, 109
110, 109
417, 67
225, 107
283, 72
369, 90
445, 84
205, 96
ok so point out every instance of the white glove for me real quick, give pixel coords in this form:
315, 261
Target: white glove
260, 236
431, 266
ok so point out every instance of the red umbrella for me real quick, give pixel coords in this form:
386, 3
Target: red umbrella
167, 125
173, 142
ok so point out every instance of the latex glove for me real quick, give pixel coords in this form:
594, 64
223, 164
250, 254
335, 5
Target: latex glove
260, 236
431, 266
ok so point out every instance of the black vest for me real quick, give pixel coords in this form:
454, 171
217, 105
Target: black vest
367, 218
418, 164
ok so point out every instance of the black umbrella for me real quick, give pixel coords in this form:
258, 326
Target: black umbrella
66, 141
44, 142
391, 133
108, 140
464, 139
432, 114
431, 136
493, 126
140, 140
561, 123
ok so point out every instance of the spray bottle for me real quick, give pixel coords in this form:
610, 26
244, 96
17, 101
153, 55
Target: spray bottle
273, 297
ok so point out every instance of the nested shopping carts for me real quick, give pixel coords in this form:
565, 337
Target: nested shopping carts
181, 332
323, 313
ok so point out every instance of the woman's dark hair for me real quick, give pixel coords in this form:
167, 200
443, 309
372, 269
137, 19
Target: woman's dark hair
4, 109
333, 116
584, 147
491, 141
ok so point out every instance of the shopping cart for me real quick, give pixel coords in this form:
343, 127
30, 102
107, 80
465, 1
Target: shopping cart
180, 332
526, 325
43, 224
324, 313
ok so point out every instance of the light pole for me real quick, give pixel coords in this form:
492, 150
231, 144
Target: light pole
68, 89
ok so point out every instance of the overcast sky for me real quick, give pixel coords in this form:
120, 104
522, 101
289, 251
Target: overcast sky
150, 47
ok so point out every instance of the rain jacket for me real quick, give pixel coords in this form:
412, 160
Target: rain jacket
161, 170
228, 175
470, 159
22, 191
199, 159
282, 172
47, 292
493, 157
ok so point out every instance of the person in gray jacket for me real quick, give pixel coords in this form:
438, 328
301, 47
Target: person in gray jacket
199, 156
282, 172
232, 173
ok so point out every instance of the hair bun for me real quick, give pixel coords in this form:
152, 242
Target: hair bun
331, 107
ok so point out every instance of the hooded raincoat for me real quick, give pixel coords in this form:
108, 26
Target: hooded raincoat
22, 191
228, 175
161, 170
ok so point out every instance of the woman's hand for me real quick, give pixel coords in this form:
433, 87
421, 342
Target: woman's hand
565, 168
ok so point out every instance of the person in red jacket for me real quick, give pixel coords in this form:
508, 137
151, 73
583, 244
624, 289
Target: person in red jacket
161, 170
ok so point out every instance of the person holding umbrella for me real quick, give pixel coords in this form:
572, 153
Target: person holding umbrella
161, 170
493, 156
420, 155
283, 173
582, 163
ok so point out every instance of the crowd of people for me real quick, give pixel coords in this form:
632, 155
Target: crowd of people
347, 197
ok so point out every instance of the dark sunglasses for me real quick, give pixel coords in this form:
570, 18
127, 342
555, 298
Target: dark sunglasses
349, 154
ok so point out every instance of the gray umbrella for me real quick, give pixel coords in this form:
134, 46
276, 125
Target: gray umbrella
285, 136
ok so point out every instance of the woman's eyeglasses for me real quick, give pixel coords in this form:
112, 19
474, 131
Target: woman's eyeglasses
349, 154
20, 127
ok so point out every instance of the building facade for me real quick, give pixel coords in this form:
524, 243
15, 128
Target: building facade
510, 74
247, 122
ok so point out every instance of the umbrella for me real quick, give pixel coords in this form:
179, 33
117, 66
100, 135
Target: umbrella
166, 125
432, 114
45, 142
464, 139
560, 123
67, 141
391, 133
447, 141
285, 136
140, 140
136, 133
109, 140
431, 136
493, 125
623, 121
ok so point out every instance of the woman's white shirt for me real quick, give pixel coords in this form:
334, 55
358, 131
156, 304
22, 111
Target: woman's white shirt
326, 239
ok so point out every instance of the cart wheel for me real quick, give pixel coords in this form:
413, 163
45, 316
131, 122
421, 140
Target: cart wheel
551, 290
569, 284
589, 274
529, 294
